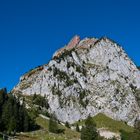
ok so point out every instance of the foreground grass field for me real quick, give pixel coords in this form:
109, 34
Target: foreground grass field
101, 120
44, 134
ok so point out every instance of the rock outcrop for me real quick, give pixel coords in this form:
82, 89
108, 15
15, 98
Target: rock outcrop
85, 78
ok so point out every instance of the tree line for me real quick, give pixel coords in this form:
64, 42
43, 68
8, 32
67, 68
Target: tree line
14, 116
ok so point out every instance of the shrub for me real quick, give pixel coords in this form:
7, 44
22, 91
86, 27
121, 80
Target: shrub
82, 95
67, 125
137, 95
40, 100
53, 125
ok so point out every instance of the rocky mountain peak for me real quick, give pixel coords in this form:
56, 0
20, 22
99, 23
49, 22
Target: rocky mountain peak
87, 77
74, 41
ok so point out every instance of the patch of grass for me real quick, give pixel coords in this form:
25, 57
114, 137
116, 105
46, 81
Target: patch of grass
102, 121
42, 122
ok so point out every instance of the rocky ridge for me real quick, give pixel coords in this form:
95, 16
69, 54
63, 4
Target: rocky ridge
84, 78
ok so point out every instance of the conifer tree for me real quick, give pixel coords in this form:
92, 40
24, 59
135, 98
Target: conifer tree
89, 131
77, 128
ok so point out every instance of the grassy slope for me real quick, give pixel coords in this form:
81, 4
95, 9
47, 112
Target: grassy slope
102, 120
43, 133
113, 125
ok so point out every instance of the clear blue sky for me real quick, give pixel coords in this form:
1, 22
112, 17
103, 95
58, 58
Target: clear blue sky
31, 30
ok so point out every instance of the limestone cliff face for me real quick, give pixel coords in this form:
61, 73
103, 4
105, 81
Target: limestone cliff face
84, 78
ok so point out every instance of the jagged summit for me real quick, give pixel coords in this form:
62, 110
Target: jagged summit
75, 42
88, 76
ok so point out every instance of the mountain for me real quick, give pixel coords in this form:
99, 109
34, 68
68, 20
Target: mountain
86, 77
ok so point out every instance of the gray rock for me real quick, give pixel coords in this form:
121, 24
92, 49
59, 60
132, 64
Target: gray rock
88, 77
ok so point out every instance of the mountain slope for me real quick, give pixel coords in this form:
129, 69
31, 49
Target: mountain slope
85, 78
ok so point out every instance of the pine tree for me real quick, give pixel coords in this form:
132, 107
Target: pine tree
2, 97
21, 119
6, 115
2, 100
16, 116
77, 128
11, 125
26, 122
89, 131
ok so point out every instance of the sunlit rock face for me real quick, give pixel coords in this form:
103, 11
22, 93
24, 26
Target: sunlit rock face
84, 78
